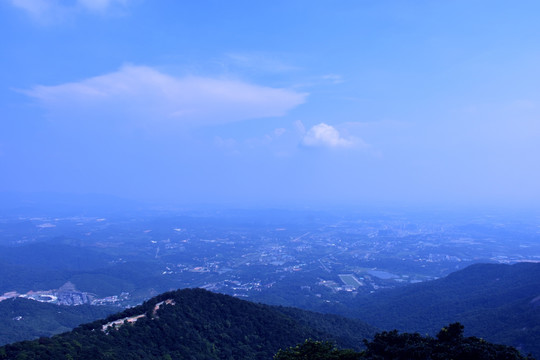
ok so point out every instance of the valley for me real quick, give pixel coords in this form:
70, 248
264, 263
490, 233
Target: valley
326, 257
348, 264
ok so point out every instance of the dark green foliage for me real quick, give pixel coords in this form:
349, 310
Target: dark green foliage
22, 319
197, 324
451, 333
493, 301
449, 344
200, 325
343, 331
316, 350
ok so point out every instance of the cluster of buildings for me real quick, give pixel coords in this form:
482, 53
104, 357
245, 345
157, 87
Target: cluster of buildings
68, 295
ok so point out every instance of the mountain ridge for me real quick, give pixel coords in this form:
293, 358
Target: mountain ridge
494, 301
200, 325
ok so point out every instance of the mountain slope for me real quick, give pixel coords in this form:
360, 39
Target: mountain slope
448, 344
22, 319
498, 302
193, 324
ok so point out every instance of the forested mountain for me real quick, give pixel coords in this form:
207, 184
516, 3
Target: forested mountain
193, 324
197, 324
500, 303
22, 319
389, 345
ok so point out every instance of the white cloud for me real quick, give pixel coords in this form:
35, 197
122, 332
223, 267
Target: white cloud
299, 127
226, 143
334, 78
147, 96
260, 61
36, 8
100, 5
323, 135
52, 10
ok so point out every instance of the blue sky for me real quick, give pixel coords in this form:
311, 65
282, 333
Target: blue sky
273, 103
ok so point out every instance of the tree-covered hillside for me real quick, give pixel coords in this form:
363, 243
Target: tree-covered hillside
22, 319
498, 302
449, 344
193, 324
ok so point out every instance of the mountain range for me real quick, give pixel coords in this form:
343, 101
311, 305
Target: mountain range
194, 324
198, 324
498, 302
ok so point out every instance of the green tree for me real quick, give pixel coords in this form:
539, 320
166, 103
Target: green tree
316, 350
451, 333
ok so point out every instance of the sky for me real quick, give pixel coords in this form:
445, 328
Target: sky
272, 103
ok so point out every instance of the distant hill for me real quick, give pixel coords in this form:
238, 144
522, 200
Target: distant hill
46, 265
44, 255
23, 319
43, 266
194, 324
450, 343
500, 303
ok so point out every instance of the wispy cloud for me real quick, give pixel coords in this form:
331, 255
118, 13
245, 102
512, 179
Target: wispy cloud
148, 96
333, 78
260, 61
324, 135
34, 7
100, 5
53, 10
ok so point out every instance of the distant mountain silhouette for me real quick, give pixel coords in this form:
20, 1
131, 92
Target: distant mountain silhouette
450, 343
492, 301
23, 319
498, 302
